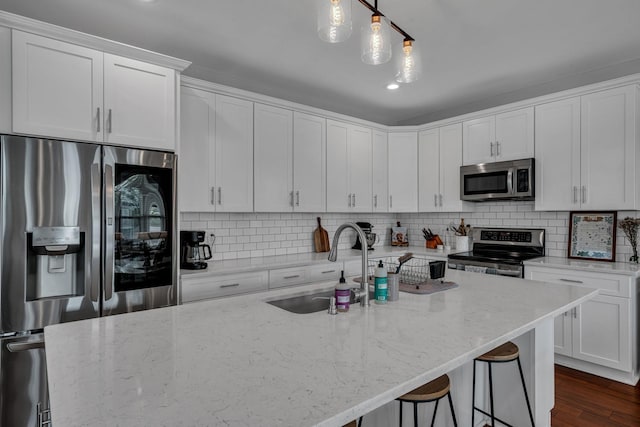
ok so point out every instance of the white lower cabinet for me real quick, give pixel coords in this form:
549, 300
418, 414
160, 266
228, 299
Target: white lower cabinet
601, 331
202, 288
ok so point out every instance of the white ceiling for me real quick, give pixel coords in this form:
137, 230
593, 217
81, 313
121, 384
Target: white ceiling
476, 53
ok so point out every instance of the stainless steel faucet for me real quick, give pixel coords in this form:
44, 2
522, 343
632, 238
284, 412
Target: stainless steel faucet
333, 255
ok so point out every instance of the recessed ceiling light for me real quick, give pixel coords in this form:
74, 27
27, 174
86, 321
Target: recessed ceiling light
393, 86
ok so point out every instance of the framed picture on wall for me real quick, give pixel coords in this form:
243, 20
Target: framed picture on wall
592, 235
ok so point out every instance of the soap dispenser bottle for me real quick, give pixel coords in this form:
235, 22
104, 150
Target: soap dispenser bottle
343, 294
380, 283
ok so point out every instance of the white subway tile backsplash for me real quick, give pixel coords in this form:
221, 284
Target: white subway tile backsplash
244, 235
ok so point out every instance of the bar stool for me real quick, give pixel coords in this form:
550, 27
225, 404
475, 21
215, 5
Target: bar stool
432, 391
507, 352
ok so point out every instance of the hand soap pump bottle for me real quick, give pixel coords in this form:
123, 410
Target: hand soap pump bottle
380, 282
343, 294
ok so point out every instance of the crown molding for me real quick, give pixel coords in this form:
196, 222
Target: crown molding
86, 40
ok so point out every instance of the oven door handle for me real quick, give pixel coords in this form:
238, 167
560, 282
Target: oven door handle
513, 273
510, 186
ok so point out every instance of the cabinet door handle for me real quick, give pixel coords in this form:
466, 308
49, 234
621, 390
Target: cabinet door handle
491, 148
440, 196
390, 201
354, 200
291, 198
219, 195
571, 281
375, 201
291, 277
497, 149
233, 285
575, 194
435, 200
297, 198
109, 121
566, 313
98, 120
328, 271
213, 195
584, 194
575, 312
349, 200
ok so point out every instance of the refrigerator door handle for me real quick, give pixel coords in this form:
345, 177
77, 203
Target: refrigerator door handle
16, 347
96, 184
109, 236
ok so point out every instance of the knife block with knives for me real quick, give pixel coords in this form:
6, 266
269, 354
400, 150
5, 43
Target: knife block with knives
433, 240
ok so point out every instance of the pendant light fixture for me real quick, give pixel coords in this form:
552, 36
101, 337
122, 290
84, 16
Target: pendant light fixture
409, 66
376, 46
334, 25
334, 20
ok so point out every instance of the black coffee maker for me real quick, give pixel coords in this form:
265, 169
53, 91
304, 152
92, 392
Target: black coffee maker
371, 236
193, 252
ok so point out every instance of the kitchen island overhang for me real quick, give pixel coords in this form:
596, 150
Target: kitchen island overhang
240, 361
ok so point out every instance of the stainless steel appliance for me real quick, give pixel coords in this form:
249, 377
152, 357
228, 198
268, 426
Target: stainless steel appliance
498, 181
371, 237
86, 231
500, 251
193, 253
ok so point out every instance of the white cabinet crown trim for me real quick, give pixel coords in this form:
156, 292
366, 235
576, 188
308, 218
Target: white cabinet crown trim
82, 39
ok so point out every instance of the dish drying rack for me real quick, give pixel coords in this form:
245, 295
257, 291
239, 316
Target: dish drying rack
416, 271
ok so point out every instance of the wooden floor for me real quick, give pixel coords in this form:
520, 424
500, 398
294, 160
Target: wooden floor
589, 401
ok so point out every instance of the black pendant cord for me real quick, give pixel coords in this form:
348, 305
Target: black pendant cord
374, 8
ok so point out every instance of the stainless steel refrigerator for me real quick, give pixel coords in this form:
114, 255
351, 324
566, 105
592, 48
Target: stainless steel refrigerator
86, 230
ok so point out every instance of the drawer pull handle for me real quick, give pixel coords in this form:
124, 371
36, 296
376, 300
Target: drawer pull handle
328, 271
292, 277
233, 285
571, 281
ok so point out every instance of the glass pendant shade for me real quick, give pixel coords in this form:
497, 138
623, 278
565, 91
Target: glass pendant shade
376, 42
408, 64
334, 20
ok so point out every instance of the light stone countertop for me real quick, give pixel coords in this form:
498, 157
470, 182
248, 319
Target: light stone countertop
623, 268
242, 362
216, 268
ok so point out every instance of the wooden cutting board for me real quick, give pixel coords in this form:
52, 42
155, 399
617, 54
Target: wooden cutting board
321, 239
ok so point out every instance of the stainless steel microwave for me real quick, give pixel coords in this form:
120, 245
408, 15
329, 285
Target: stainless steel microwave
498, 181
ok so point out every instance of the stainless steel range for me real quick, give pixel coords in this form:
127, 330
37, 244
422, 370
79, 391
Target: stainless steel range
500, 251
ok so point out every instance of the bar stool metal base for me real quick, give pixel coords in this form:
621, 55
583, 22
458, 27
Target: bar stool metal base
507, 352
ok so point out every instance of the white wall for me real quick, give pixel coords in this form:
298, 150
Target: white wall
244, 235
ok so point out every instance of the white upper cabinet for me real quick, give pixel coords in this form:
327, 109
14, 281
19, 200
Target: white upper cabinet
215, 172
380, 172
558, 155
57, 88
68, 91
139, 103
349, 187
196, 181
234, 154
5, 80
440, 158
609, 149
586, 152
289, 161
309, 163
273, 159
403, 172
500, 137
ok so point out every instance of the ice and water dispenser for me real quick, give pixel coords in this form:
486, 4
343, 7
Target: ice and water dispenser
55, 262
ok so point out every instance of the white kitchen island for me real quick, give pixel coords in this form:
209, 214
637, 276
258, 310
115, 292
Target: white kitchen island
242, 362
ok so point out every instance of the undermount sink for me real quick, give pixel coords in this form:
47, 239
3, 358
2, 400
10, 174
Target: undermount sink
310, 302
